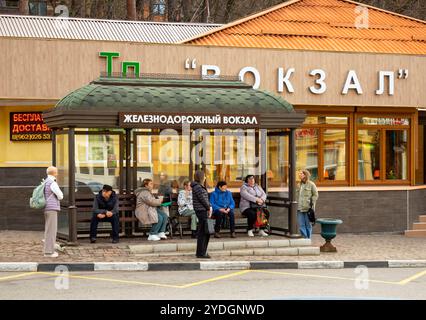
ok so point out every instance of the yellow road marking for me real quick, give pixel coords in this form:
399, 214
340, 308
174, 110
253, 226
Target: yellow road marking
234, 274
414, 277
18, 276
111, 280
319, 276
218, 278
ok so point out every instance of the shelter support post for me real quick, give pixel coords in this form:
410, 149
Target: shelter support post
128, 225
72, 209
292, 214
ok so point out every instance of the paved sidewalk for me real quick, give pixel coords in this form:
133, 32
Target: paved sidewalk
20, 246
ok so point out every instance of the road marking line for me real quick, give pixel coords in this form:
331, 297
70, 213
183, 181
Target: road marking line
111, 280
412, 278
234, 274
319, 276
18, 276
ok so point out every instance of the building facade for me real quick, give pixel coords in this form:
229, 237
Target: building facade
363, 91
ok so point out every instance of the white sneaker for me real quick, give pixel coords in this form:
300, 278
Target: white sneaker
262, 233
250, 233
153, 237
52, 255
162, 235
57, 246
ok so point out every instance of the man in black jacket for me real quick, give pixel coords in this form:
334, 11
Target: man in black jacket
203, 210
105, 209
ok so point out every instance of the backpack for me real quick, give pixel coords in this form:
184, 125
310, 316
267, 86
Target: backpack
37, 201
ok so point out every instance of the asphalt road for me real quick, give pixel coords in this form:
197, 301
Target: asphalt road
371, 283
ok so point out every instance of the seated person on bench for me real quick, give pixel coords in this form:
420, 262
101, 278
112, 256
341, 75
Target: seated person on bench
252, 196
223, 205
186, 208
105, 209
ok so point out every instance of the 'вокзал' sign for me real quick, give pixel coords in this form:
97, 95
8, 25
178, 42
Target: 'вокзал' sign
28, 126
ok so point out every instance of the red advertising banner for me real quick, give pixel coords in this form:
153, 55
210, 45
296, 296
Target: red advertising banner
28, 126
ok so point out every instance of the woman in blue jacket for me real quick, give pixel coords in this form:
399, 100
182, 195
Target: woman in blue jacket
223, 205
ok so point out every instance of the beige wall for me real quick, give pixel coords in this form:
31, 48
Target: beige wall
52, 68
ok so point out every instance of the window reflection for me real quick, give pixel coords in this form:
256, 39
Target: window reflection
335, 154
307, 151
278, 165
396, 154
97, 162
368, 154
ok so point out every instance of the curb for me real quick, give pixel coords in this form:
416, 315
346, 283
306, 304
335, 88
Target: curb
204, 265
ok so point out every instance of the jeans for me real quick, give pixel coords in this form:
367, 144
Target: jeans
203, 235
115, 224
194, 220
160, 226
220, 216
305, 226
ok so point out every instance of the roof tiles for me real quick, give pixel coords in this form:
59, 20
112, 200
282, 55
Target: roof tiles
327, 25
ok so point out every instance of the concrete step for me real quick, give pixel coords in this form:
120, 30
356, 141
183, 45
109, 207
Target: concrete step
419, 226
422, 218
289, 251
215, 245
415, 233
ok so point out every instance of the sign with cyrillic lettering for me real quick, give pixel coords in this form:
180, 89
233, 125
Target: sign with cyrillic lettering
199, 120
28, 126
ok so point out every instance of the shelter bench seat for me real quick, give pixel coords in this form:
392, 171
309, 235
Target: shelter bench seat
127, 206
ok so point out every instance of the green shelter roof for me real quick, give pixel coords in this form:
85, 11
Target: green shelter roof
98, 104
172, 96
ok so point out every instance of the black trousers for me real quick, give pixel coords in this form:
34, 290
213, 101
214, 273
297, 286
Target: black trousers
251, 215
115, 224
221, 217
203, 235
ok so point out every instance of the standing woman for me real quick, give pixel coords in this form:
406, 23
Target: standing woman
307, 195
203, 210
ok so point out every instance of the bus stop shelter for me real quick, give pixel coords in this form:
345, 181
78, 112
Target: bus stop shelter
119, 130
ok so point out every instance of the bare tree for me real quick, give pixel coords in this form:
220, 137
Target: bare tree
214, 11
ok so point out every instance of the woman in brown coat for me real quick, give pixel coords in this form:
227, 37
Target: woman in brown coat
148, 211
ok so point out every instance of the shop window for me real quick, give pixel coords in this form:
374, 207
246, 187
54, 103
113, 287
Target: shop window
322, 147
307, 151
368, 155
396, 154
334, 154
383, 148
